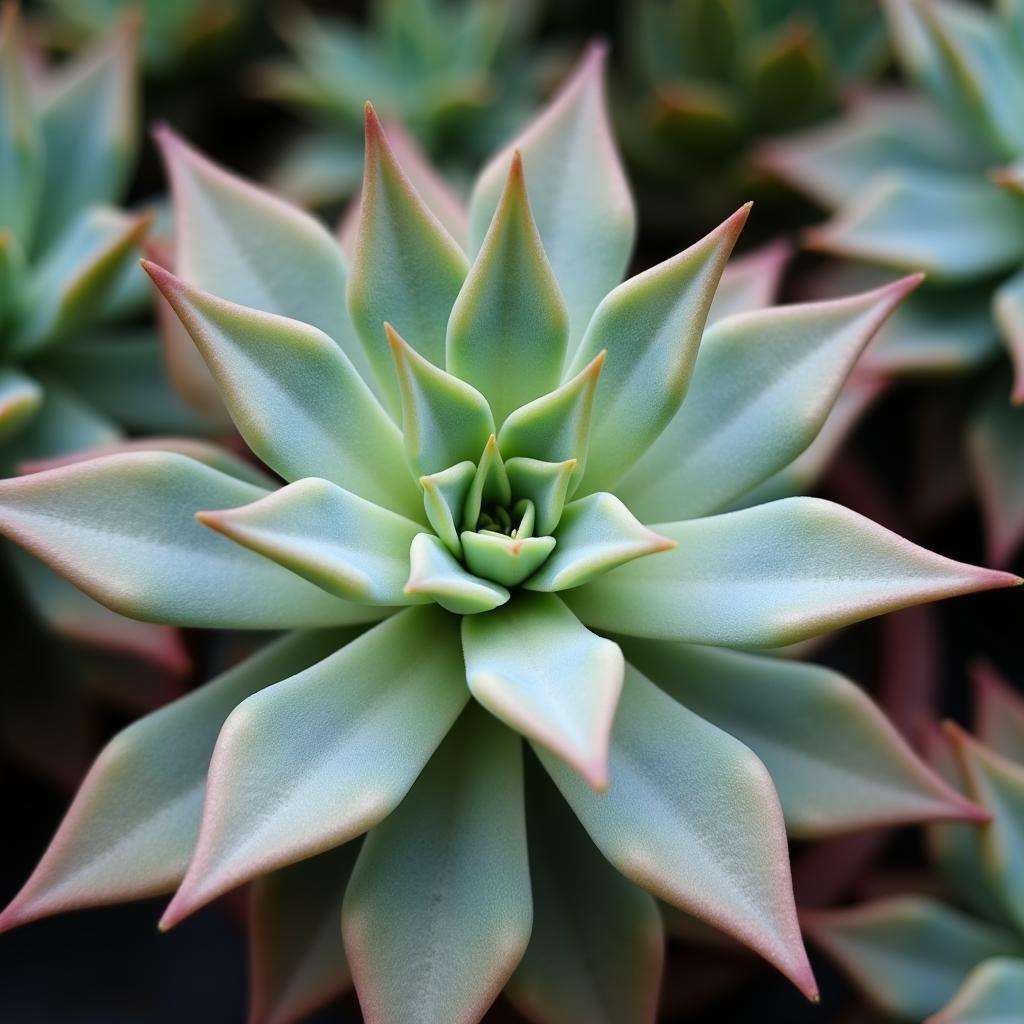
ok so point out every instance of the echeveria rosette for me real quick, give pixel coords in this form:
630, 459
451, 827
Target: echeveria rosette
463, 550
918, 957
931, 181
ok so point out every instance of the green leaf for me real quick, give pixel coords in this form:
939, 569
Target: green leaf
1008, 310
444, 498
545, 484
991, 994
329, 536
650, 327
20, 399
534, 666
662, 825
130, 830
504, 559
295, 397
763, 386
318, 759
856, 773
490, 484
90, 131
596, 951
770, 576
444, 420
749, 282
998, 713
594, 535
122, 528
908, 954
788, 78
407, 270
297, 959
435, 573
581, 201
446, 873
509, 327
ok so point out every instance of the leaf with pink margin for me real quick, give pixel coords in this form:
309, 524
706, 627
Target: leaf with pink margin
772, 575
998, 712
581, 199
661, 824
597, 946
317, 760
751, 281
122, 528
992, 993
131, 828
836, 762
438, 910
297, 960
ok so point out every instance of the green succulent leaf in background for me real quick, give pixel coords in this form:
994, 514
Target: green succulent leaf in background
472, 551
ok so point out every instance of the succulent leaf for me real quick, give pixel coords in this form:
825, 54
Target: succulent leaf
992, 992
1008, 310
749, 282
505, 560
444, 498
998, 713
446, 873
20, 399
545, 485
490, 484
436, 573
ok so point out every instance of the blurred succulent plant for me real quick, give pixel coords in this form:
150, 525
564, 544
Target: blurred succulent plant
916, 957
708, 77
454, 72
933, 181
471, 455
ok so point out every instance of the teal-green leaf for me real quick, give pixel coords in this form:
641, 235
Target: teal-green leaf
490, 485
439, 909
504, 559
661, 823
131, 827
580, 198
509, 328
545, 484
772, 575
650, 327
762, 389
750, 282
321, 757
1008, 310
122, 527
20, 399
444, 498
992, 993
407, 270
295, 397
436, 573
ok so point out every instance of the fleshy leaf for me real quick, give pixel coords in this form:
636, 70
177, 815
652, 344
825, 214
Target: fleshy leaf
580, 199
318, 759
504, 559
749, 282
509, 327
650, 327
594, 535
130, 830
444, 498
908, 954
596, 951
534, 666
407, 269
490, 484
438, 911
545, 484
331, 537
556, 427
998, 713
122, 528
20, 399
762, 389
297, 958
444, 420
661, 824
856, 773
295, 397
435, 573
1008, 310
772, 575
991, 994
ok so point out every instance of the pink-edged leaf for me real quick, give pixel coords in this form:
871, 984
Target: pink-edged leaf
998, 712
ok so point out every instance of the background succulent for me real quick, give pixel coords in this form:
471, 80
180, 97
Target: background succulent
484, 548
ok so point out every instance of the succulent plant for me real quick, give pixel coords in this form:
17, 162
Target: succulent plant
451, 71
916, 956
931, 181
706, 78
472, 455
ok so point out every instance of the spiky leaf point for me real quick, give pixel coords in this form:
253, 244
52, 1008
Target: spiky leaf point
597, 946
435, 573
580, 198
594, 535
998, 713
504, 559
407, 269
444, 499
672, 840
772, 575
122, 527
313, 761
295, 397
297, 958
534, 666
992, 993
490, 484
545, 485
650, 327
329, 536
749, 282
908, 954
131, 828
859, 773
20, 399
448, 870
509, 328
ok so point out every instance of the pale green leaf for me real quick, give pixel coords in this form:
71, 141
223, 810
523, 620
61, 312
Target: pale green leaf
504, 559
545, 484
490, 485
1008, 310
20, 399
444, 498
993, 993
749, 282
437, 574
